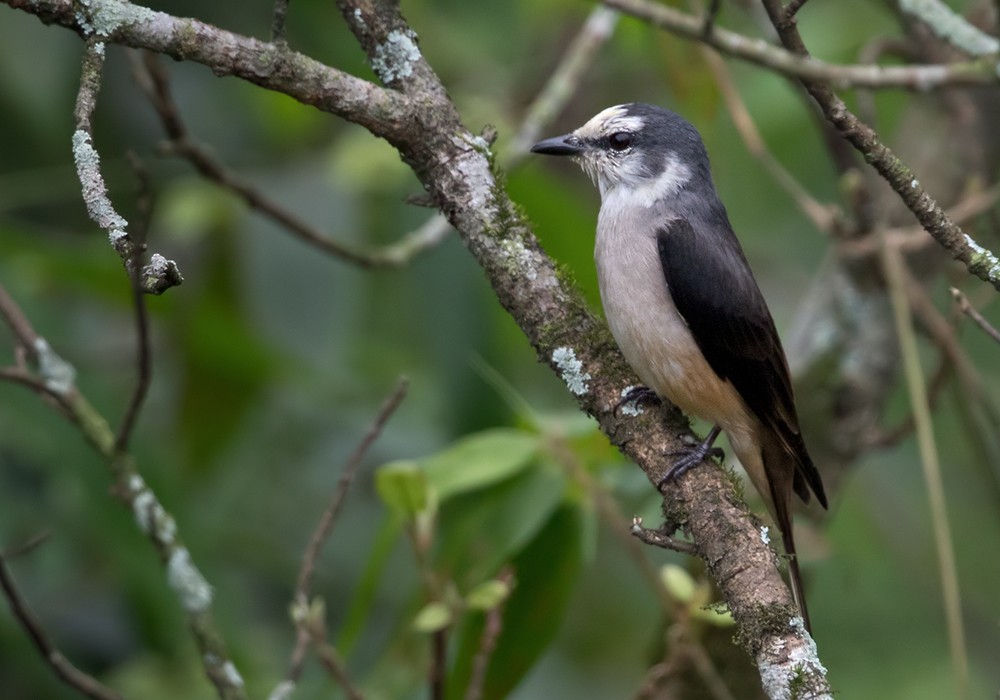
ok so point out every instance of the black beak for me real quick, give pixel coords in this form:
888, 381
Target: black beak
566, 145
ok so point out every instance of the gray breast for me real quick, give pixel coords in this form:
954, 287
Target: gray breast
651, 333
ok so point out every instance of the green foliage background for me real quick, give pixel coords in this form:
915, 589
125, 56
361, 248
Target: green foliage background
271, 360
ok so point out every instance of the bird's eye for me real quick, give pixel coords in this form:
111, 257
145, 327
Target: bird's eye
620, 140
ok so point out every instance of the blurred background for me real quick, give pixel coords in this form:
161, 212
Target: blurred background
272, 358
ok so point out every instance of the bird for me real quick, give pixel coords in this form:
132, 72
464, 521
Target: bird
684, 307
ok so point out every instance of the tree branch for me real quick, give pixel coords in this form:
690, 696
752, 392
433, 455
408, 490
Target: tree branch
966, 308
144, 362
918, 77
160, 274
383, 112
979, 261
153, 80
69, 674
456, 168
57, 379
950, 26
309, 618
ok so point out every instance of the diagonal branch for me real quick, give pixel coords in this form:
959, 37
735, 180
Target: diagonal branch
980, 262
144, 361
951, 27
57, 380
918, 77
383, 112
966, 308
60, 665
152, 78
457, 169
325, 526
160, 274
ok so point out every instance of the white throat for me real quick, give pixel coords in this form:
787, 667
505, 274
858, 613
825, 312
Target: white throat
640, 190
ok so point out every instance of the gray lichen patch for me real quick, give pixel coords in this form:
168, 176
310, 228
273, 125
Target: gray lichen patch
571, 370
394, 58
191, 587
59, 375
95, 195
105, 17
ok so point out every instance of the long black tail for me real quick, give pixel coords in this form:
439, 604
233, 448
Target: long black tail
798, 592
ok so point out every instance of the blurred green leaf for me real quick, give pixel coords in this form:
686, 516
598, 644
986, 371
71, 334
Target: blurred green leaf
547, 571
678, 582
487, 595
717, 615
481, 531
226, 367
433, 617
192, 209
479, 460
402, 486
364, 163
359, 613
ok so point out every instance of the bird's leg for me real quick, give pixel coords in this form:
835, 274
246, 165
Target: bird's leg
694, 455
637, 394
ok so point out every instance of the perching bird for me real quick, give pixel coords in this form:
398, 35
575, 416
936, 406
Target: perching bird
683, 304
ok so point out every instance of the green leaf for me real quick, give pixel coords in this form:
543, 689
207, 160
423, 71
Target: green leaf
480, 460
547, 571
360, 613
488, 595
678, 582
479, 532
433, 617
717, 615
402, 486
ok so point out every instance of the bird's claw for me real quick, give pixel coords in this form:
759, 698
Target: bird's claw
636, 395
692, 456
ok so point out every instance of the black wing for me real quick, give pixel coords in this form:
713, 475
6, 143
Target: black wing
719, 299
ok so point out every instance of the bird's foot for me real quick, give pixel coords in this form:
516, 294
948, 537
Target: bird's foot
693, 455
637, 395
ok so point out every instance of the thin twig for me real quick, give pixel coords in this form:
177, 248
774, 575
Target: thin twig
492, 627
793, 7
278, 23
951, 27
55, 379
144, 363
18, 323
29, 545
966, 308
160, 274
893, 268
153, 79
711, 14
548, 103
960, 245
954, 358
562, 84
330, 658
439, 663
60, 665
914, 77
822, 215
707, 670
329, 517
911, 239
195, 595
303, 587
659, 538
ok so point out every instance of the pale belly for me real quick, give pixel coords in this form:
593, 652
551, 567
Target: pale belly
655, 339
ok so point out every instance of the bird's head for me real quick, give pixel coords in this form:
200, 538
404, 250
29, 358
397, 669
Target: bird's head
650, 151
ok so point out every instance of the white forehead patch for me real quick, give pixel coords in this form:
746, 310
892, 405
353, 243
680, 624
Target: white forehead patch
610, 120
